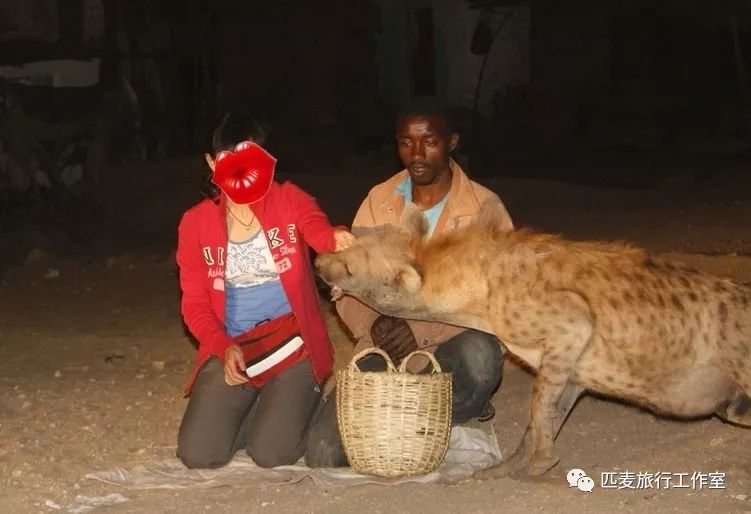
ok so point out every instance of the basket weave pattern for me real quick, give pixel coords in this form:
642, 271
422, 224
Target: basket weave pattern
393, 423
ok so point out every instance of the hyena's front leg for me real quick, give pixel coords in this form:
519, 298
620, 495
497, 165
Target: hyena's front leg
570, 331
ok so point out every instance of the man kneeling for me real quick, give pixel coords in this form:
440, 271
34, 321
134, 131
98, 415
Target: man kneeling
436, 184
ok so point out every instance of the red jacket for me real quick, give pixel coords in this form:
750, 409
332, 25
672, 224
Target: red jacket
291, 220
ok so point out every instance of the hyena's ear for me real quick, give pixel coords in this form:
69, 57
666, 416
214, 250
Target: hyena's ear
414, 222
408, 278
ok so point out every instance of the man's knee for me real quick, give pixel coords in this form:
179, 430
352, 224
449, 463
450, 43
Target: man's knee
476, 355
476, 360
325, 448
371, 362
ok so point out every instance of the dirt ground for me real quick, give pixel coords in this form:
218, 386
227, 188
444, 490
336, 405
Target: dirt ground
93, 355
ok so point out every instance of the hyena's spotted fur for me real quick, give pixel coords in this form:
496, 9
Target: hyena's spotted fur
585, 315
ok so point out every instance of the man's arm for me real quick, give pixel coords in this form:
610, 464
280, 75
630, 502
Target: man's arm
365, 218
505, 225
358, 317
492, 211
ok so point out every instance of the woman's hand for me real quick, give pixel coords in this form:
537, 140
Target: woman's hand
344, 239
233, 365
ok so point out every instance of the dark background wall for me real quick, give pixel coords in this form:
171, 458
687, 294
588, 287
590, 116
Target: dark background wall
567, 77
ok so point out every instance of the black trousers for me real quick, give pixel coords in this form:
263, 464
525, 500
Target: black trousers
475, 359
271, 423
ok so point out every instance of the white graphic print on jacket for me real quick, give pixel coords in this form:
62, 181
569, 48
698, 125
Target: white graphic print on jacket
253, 290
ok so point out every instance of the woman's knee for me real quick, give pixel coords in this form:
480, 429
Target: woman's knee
213, 418
195, 449
267, 455
197, 457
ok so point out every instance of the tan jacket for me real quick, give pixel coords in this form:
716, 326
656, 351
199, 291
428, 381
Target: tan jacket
384, 205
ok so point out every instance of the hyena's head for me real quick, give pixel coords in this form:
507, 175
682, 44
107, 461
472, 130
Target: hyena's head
379, 268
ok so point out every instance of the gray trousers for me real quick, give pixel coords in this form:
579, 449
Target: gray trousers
475, 359
271, 423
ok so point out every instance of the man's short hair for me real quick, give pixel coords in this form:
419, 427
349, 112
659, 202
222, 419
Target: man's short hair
428, 107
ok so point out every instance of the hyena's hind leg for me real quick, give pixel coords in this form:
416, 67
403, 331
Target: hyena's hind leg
566, 402
553, 395
539, 457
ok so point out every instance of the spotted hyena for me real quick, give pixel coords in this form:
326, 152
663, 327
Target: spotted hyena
605, 317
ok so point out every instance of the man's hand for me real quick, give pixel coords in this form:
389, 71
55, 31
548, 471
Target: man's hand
393, 336
233, 365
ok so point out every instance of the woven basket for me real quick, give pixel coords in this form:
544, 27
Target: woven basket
393, 423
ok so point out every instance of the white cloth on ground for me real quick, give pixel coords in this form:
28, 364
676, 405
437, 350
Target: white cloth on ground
471, 449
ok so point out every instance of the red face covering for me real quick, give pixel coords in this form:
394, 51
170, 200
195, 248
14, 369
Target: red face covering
244, 175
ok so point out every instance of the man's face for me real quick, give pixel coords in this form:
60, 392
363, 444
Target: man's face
424, 143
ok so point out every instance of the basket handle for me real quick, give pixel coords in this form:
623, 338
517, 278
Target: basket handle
430, 356
367, 351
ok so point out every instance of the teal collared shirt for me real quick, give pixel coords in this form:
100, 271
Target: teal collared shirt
405, 189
